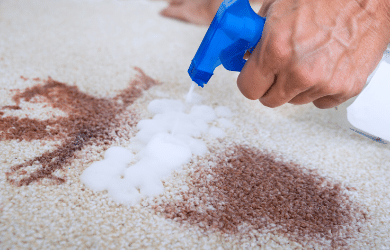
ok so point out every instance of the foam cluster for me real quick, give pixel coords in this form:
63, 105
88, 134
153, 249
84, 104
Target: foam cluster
163, 144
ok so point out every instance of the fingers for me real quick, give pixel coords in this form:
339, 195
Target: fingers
299, 60
327, 102
254, 82
349, 90
255, 77
307, 97
328, 95
279, 92
262, 72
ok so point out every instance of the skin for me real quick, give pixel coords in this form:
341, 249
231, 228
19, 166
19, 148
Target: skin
319, 51
199, 12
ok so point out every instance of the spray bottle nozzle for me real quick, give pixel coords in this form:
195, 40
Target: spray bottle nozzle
235, 29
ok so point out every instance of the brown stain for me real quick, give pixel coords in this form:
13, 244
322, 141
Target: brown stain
12, 107
249, 187
90, 120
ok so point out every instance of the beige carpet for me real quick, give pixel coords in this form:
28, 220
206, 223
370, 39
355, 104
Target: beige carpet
95, 46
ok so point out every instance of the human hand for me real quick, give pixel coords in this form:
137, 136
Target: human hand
199, 12
319, 51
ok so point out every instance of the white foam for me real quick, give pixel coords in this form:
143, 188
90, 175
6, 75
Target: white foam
203, 112
101, 175
225, 123
168, 152
163, 144
198, 147
222, 111
217, 132
118, 154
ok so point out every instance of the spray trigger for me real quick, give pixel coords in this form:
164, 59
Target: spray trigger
235, 29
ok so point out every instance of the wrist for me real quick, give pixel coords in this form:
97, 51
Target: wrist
385, 6
376, 8
379, 11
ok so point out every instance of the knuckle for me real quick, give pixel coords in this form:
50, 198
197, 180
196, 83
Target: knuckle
279, 48
325, 103
332, 89
319, 105
268, 103
330, 101
299, 100
304, 79
244, 85
250, 96
309, 78
343, 90
355, 92
357, 88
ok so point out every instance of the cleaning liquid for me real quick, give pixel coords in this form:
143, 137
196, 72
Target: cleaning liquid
368, 114
190, 93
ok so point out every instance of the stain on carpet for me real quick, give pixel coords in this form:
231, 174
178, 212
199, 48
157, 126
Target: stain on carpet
89, 120
246, 189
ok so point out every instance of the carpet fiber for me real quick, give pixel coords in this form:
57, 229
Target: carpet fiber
77, 76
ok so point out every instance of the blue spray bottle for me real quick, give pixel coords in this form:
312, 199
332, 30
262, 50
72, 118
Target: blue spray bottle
235, 29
